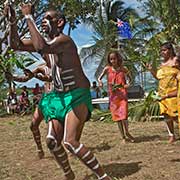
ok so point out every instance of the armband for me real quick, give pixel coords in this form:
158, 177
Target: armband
12, 23
29, 16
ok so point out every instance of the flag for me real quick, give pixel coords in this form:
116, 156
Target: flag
124, 29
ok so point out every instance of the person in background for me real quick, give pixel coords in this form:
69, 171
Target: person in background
117, 87
95, 93
24, 99
36, 94
166, 74
43, 73
12, 101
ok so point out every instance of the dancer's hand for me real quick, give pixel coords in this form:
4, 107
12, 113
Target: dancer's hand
9, 12
27, 72
26, 8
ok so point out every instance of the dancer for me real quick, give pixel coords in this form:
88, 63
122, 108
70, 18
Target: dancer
168, 84
71, 95
43, 73
117, 87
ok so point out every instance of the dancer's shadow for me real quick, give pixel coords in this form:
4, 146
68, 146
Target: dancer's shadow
119, 170
175, 160
146, 138
104, 146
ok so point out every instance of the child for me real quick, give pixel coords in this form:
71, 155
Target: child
117, 87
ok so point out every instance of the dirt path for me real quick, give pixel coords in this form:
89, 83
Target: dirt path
150, 158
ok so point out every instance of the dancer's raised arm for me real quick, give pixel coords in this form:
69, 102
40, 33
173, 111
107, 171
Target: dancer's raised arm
14, 39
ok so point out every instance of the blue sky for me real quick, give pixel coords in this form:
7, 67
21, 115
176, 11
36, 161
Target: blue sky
83, 34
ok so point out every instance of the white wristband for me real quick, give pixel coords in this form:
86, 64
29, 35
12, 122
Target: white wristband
29, 16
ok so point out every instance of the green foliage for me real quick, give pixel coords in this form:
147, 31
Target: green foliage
11, 62
76, 11
144, 109
97, 114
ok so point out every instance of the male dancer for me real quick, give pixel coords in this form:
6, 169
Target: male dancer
71, 94
42, 72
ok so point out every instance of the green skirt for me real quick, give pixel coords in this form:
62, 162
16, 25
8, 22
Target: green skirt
55, 105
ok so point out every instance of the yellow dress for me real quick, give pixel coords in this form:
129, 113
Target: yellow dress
178, 100
168, 83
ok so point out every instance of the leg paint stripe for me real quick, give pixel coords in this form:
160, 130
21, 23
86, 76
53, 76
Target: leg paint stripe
87, 154
67, 167
64, 161
78, 149
49, 130
66, 173
56, 149
95, 167
61, 155
50, 136
91, 160
102, 177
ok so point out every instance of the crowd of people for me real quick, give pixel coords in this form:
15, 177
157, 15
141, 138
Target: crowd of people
21, 103
67, 106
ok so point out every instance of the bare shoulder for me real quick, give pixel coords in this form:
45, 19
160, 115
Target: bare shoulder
106, 68
63, 38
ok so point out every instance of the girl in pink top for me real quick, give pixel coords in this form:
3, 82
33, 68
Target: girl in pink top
117, 87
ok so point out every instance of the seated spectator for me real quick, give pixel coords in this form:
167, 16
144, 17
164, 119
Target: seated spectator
11, 101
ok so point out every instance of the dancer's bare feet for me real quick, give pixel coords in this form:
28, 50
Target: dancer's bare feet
40, 154
124, 140
172, 139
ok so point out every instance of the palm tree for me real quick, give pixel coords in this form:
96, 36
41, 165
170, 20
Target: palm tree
105, 31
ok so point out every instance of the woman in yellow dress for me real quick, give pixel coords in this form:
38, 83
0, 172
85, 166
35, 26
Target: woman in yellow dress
168, 85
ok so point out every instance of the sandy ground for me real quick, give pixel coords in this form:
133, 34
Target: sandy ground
150, 158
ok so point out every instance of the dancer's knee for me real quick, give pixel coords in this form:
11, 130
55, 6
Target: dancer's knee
72, 146
52, 144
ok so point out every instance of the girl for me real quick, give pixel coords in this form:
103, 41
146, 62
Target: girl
168, 84
117, 87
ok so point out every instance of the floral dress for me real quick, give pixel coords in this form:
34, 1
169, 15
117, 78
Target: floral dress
117, 94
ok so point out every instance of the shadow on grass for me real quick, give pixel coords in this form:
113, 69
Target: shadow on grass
104, 146
175, 160
119, 170
146, 138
